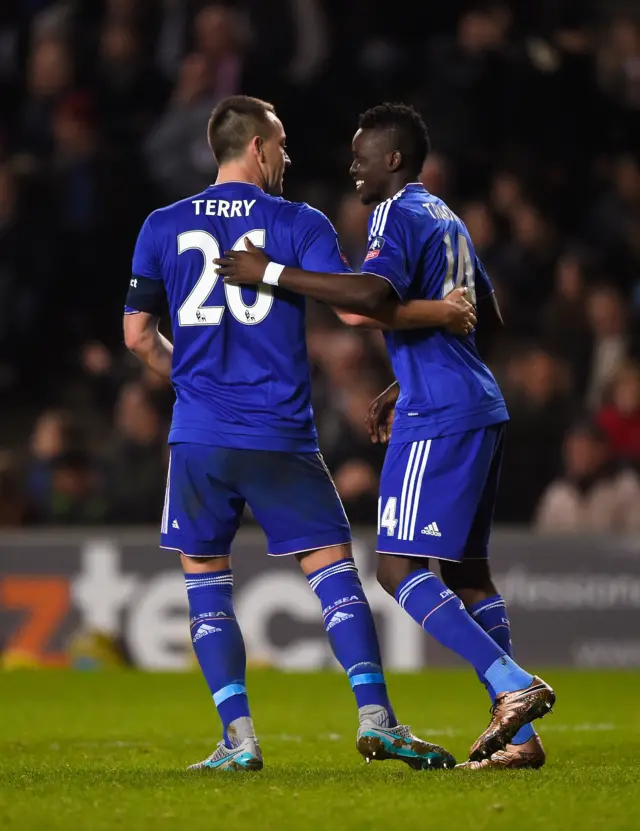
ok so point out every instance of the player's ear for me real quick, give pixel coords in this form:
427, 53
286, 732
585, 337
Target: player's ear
258, 147
394, 160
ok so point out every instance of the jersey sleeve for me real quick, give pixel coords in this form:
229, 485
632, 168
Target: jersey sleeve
316, 243
387, 254
146, 288
484, 288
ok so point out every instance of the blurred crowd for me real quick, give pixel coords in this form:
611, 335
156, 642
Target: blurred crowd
534, 115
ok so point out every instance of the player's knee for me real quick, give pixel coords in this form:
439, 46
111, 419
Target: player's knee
387, 583
470, 580
389, 574
311, 561
200, 565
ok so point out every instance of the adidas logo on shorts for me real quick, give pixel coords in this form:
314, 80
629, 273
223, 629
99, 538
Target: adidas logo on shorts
339, 617
431, 530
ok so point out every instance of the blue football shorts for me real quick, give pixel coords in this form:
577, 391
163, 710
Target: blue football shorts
437, 496
291, 495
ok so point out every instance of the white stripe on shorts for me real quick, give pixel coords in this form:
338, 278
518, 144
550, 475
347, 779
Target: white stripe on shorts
164, 527
418, 492
403, 496
412, 488
413, 473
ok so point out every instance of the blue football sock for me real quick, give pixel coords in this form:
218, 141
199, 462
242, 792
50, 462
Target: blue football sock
491, 614
442, 614
352, 633
219, 648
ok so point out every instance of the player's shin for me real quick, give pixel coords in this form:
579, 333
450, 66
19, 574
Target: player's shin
442, 614
353, 638
491, 615
219, 648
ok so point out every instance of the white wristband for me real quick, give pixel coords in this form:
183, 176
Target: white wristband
272, 274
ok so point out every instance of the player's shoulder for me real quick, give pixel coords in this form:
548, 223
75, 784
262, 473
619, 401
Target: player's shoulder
433, 216
305, 213
167, 214
438, 210
397, 212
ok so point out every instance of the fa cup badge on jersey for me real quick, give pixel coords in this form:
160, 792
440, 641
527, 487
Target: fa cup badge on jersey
374, 248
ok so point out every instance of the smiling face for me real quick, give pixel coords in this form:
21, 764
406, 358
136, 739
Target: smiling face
373, 166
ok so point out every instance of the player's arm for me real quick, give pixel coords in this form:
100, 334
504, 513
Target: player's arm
381, 414
366, 294
369, 295
489, 313
367, 299
144, 303
324, 273
364, 299
143, 338
453, 313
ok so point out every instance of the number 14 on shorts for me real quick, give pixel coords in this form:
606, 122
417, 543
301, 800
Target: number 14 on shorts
387, 517
388, 521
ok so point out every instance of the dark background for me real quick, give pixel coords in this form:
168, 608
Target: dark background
534, 114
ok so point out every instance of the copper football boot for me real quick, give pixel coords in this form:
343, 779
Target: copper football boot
529, 754
511, 711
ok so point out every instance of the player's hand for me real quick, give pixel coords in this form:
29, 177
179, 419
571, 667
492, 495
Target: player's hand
246, 267
460, 317
381, 413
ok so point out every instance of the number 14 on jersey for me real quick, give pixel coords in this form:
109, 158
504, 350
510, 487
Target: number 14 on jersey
464, 267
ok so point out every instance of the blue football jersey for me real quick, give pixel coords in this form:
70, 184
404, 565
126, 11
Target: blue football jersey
240, 369
424, 250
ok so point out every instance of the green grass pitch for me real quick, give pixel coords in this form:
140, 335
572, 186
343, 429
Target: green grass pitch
108, 750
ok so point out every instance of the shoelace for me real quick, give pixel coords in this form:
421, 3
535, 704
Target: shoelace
402, 730
221, 750
219, 747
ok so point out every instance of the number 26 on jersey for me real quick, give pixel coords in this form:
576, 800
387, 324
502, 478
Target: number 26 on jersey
193, 311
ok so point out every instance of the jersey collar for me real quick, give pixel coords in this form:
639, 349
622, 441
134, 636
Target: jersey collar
235, 182
409, 185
